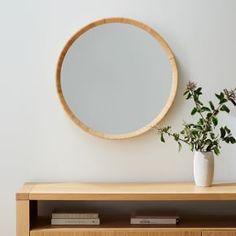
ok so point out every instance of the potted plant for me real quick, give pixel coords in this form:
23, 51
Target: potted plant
203, 136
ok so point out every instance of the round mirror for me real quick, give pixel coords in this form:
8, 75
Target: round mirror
116, 78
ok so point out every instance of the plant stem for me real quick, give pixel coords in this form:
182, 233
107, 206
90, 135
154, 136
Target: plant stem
198, 107
182, 140
214, 113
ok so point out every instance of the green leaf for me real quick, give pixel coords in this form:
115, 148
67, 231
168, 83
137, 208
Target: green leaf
198, 91
188, 96
180, 146
232, 140
201, 121
227, 130
203, 109
209, 147
199, 127
212, 106
226, 139
222, 132
222, 95
218, 96
194, 132
214, 120
191, 147
162, 138
176, 136
208, 128
186, 92
194, 111
225, 108
199, 102
216, 150
209, 115
166, 129
223, 100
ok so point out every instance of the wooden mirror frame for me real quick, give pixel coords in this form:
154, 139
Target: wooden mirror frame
170, 99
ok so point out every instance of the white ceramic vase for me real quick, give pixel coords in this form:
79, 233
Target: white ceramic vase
203, 168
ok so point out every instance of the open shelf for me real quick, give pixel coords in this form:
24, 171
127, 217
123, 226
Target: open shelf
201, 210
206, 223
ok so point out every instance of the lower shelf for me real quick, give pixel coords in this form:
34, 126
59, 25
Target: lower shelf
121, 227
118, 223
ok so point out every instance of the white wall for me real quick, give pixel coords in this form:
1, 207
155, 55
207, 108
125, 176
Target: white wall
38, 142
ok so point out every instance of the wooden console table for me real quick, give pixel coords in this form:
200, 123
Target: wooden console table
29, 224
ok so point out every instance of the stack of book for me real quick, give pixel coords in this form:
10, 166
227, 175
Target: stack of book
75, 219
154, 220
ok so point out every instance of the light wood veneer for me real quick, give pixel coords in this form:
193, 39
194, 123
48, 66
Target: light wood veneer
28, 196
168, 52
125, 191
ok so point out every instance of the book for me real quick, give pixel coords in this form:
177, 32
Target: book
75, 221
158, 220
57, 215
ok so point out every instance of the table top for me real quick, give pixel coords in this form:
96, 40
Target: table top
125, 191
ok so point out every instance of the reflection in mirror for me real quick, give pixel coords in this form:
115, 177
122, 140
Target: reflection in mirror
115, 79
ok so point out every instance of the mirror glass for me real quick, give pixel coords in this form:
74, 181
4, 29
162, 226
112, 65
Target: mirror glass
116, 79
